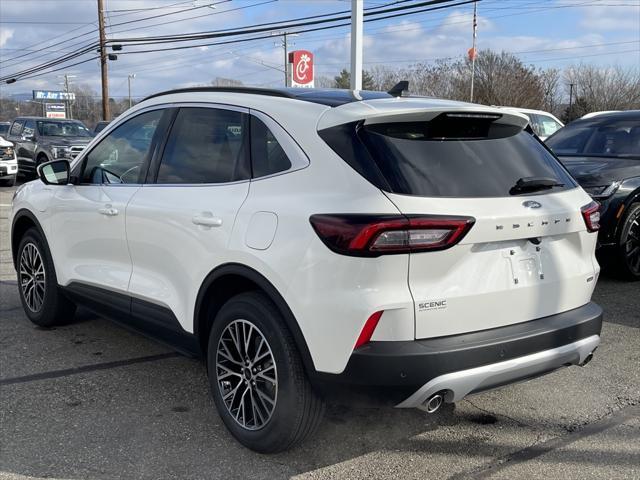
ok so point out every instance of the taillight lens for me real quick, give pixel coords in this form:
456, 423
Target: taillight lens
591, 215
375, 235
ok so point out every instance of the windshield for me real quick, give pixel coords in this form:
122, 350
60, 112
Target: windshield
593, 138
62, 129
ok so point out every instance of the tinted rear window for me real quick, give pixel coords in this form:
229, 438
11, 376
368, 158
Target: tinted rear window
463, 158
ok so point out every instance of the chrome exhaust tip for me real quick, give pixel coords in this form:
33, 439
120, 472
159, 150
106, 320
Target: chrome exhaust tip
587, 359
433, 403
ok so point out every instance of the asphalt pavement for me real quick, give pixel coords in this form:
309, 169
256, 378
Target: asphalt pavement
92, 400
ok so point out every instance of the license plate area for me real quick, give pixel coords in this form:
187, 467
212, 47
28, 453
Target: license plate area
526, 264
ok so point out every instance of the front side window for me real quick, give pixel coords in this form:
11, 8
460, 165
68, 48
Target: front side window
267, 156
543, 125
16, 128
206, 145
50, 128
120, 156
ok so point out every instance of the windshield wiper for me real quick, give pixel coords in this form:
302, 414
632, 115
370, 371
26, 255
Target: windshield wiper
534, 184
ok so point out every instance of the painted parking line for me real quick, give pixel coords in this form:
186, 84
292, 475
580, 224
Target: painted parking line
86, 368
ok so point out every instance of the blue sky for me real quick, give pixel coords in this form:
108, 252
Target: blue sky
548, 33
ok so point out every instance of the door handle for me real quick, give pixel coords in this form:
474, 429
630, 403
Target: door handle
109, 211
206, 219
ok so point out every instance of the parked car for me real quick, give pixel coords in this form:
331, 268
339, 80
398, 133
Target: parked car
99, 127
8, 163
299, 239
38, 140
595, 114
603, 153
4, 129
544, 124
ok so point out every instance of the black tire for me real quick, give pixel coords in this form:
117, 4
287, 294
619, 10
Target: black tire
298, 409
54, 308
8, 182
627, 257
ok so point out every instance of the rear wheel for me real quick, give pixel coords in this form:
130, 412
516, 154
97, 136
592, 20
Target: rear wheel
40, 295
628, 254
257, 378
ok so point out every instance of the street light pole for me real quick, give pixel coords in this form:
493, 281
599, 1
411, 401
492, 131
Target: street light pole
473, 48
129, 77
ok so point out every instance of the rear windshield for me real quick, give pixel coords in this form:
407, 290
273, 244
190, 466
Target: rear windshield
435, 159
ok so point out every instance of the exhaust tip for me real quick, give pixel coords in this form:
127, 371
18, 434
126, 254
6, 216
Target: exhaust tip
433, 403
587, 359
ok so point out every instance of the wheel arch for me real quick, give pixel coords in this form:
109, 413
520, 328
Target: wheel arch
23, 220
229, 280
633, 197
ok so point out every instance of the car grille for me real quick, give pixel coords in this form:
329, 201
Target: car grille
76, 150
6, 153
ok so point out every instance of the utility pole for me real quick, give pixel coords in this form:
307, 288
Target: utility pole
66, 77
472, 52
571, 85
285, 45
129, 77
106, 115
357, 30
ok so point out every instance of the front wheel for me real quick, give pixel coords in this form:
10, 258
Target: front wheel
628, 261
40, 295
257, 378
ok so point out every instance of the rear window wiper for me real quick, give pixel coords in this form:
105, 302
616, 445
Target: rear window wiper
534, 184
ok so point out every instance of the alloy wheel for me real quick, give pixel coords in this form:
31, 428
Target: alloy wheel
246, 374
32, 277
631, 246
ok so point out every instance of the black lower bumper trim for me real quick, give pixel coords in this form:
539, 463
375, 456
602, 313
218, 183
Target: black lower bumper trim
414, 363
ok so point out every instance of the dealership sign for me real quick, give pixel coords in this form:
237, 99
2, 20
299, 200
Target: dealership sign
53, 95
301, 62
55, 110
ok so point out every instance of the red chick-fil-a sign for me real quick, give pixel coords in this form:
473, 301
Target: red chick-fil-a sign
301, 66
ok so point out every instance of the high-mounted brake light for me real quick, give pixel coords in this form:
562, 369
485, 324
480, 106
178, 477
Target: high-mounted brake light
591, 215
364, 235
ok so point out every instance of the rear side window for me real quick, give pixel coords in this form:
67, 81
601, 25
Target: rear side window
206, 145
267, 156
448, 157
16, 128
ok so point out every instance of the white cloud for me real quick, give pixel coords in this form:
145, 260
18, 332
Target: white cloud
5, 35
614, 18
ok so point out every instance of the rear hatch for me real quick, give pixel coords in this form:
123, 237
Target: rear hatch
528, 253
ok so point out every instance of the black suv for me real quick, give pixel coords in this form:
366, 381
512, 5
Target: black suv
603, 154
38, 140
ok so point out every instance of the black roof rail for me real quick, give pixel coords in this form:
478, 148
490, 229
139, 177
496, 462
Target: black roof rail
250, 90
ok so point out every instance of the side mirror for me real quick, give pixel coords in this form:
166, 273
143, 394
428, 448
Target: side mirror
29, 138
54, 173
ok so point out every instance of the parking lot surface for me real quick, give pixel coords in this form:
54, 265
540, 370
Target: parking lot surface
92, 400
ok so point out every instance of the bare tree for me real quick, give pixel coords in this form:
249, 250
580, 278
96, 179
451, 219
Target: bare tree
550, 81
603, 88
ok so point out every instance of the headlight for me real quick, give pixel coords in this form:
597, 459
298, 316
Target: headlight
61, 152
602, 191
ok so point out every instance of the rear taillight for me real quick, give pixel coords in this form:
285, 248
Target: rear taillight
364, 235
591, 215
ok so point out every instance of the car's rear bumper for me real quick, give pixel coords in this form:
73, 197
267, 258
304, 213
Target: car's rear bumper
531, 348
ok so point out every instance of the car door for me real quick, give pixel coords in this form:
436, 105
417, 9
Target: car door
27, 146
179, 224
88, 238
15, 137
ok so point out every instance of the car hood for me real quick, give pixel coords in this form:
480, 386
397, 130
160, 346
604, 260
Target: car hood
597, 171
5, 143
65, 141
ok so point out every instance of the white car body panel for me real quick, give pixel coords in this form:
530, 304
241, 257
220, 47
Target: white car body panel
153, 251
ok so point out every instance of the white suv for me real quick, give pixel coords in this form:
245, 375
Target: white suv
300, 239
